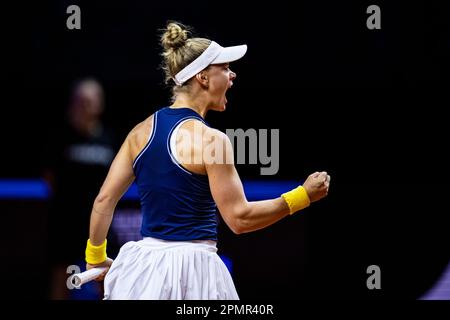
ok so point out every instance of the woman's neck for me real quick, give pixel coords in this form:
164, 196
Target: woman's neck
197, 105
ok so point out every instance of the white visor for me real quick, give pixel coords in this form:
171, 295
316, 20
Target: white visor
214, 54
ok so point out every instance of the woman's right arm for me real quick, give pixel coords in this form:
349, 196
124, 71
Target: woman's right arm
245, 216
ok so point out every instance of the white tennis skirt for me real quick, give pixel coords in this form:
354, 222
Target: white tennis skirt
155, 269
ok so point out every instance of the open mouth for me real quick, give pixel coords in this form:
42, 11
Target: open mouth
229, 87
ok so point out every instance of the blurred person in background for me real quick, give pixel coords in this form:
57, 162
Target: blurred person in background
76, 161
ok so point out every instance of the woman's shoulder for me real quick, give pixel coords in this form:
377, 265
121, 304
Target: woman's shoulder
200, 127
138, 136
142, 127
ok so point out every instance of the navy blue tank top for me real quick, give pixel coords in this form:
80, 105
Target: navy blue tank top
176, 204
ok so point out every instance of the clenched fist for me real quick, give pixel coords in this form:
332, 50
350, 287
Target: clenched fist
317, 185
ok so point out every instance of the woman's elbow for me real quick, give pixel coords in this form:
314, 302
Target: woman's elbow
105, 199
236, 228
238, 223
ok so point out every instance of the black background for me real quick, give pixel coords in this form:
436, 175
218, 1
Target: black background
366, 105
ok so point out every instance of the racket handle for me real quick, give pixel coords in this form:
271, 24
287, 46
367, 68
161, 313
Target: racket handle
81, 278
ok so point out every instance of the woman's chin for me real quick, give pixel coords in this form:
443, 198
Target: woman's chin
220, 108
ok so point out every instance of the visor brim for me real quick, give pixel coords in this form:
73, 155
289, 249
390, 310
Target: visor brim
230, 54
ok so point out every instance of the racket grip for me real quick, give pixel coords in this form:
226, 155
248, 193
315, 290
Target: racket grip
81, 278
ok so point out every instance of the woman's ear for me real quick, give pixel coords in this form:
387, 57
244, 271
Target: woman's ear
202, 78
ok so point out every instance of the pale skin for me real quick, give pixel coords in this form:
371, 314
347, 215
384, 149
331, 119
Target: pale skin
206, 92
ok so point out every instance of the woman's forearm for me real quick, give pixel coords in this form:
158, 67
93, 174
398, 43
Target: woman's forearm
260, 214
101, 218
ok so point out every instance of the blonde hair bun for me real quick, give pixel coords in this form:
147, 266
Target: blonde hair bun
175, 36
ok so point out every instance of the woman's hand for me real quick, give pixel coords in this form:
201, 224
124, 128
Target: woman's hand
107, 263
317, 185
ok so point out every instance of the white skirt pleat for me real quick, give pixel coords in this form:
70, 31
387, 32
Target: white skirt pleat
154, 269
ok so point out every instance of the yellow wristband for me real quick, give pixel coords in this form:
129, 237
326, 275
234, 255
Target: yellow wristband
297, 199
95, 254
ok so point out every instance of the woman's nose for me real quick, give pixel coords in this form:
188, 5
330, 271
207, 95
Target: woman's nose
232, 76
